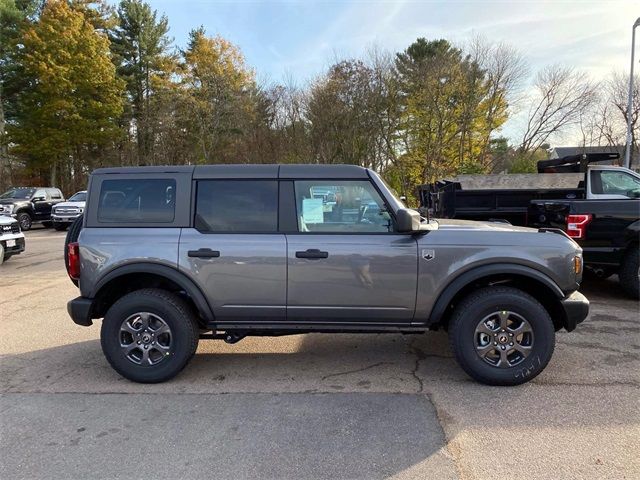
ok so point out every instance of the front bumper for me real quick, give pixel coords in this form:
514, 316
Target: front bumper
576, 309
17, 248
64, 218
79, 310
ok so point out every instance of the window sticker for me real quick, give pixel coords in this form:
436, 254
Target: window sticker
312, 210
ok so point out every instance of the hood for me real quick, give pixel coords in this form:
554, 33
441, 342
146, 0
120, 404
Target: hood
4, 220
471, 225
13, 201
70, 204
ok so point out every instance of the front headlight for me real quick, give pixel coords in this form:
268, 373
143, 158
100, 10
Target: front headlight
7, 209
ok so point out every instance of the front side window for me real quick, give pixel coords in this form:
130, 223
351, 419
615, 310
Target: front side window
332, 206
610, 182
237, 206
137, 200
40, 194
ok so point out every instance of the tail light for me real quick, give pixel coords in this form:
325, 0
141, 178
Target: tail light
73, 253
577, 225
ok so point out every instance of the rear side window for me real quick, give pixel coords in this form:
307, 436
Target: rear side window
237, 206
137, 200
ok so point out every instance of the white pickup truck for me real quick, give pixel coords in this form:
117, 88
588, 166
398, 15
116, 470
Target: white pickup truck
11, 238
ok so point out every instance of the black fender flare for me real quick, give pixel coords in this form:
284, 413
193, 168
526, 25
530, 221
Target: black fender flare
631, 234
169, 273
464, 279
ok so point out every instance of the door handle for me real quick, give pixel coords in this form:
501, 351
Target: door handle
312, 253
203, 253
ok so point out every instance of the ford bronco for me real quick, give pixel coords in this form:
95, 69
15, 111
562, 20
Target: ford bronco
170, 255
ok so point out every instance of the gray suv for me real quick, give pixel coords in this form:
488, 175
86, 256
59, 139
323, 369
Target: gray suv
170, 255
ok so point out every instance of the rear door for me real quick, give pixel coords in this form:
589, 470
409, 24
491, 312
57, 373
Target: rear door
234, 251
346, 263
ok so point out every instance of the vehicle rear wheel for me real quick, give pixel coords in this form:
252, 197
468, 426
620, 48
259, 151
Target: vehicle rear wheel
25, 221
149, 335
629, 272
72, 236
501, 336
60, 226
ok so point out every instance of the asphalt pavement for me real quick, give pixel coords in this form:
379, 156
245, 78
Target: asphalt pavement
306, 406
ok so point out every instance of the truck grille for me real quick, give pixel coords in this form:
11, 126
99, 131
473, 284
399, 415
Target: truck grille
66, 210
13, 228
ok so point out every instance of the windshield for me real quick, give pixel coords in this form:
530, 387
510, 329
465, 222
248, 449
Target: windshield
79, 197
21, 193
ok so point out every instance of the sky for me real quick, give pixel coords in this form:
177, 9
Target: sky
298, 39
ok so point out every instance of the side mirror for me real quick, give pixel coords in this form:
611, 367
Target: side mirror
407, 220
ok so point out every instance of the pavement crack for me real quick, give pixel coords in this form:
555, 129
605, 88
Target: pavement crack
356, 370
420, 356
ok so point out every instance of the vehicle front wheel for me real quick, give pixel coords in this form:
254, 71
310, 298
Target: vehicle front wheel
149, 335
629, 273
501, 336
25, 221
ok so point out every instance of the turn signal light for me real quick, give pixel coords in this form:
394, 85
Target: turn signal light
577, 264
577, 225
73, 254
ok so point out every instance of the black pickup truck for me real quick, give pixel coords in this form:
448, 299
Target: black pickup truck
30, 205
597, 206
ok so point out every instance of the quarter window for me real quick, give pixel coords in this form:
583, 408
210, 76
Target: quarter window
340, 207
237, 206
140, 201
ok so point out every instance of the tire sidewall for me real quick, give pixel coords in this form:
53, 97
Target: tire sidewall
543, 343
181, 342
24, 215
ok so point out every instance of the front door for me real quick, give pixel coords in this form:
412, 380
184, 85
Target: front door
41, 204
235, 253
346, 265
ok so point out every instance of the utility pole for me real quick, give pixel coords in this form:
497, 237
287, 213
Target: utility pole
627, 153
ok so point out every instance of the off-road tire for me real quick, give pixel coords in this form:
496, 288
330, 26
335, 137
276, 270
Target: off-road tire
25, 221
72, 236
629, 272
173, 311
476, 306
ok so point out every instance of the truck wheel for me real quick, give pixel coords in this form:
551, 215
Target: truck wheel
501, 336
149, 335
72, 236
25, 221
629, 273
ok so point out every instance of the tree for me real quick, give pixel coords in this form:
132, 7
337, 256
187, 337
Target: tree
140, 44
562, 96
220, 97
74, 98
15, 16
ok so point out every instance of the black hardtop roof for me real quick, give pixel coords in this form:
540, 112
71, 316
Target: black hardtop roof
247, 171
